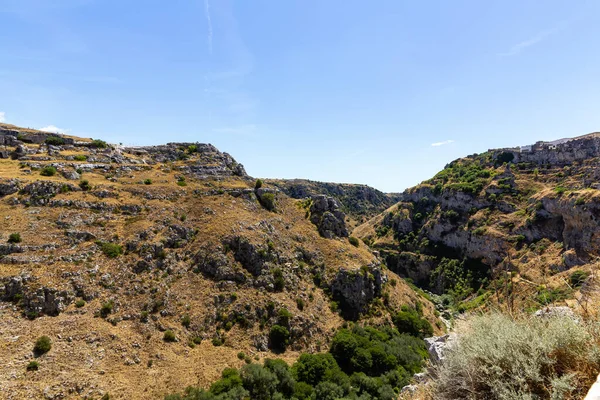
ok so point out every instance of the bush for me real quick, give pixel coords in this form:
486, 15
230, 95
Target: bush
169, 336
14, 238
147, 181
577, 278
80, 157
186, 321
258, 184
42, 345
85, 185
259, 381
300, 303
111, 250
33, 366
279, 337
55, 141
48, 171
353, 241
106, 309
98, 144
267, 200
79, 303
550, 357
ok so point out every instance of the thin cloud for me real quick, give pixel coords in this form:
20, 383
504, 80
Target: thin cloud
540, 37
2, 116
210, 29
445, 142
52, 129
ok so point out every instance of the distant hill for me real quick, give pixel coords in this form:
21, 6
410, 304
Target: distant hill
359, 202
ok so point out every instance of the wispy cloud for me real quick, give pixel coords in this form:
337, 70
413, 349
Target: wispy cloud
534, 40
445, 142
52, 129
2, 116
210, 29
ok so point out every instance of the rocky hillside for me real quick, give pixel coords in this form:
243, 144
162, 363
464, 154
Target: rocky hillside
516, 226
153, 268
359, 202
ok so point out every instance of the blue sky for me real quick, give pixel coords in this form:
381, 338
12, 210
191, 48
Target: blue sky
332, 90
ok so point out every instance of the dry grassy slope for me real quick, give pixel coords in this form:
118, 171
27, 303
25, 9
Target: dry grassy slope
122, 354
533, 225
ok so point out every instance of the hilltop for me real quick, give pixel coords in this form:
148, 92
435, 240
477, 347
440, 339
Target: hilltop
153, 268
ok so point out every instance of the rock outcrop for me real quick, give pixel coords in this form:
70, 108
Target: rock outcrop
326, 215
356, 289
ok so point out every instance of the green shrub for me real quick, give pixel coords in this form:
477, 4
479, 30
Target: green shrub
353, 241
55, 141
577, 278
14, 238
79, 303
267, 200
408, 321
279, 337
278, 280
580, 201
85, 185
48, 171
147, 181
106, 308
258, 184
550, 357
186, 321
169, 336
33, 366
300, 303
559, 190
111, 250
192, 148
217, 342
80, 157
42, 345
98, 144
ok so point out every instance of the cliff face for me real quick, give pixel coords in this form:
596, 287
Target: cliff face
104, 248
533, 213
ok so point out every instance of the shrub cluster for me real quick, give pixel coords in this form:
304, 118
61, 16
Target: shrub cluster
363, 363
498, 357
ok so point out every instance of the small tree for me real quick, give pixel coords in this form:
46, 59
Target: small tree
279, 337
258, 184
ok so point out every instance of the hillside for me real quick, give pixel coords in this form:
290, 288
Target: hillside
359, 202
513, 227
152, 268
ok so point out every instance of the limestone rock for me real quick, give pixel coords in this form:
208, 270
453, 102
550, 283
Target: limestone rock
327, 217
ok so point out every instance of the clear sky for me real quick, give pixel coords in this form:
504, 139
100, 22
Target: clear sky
382, 92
